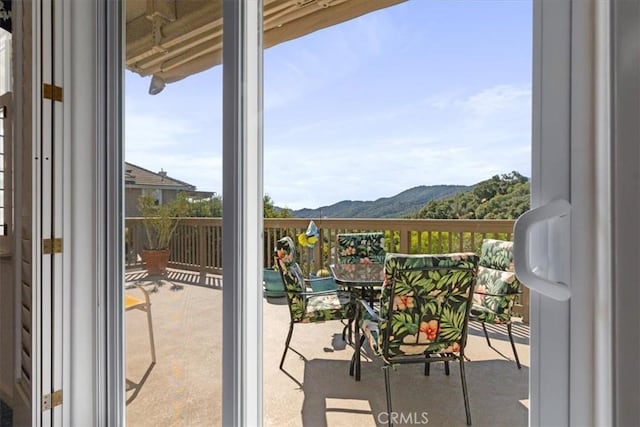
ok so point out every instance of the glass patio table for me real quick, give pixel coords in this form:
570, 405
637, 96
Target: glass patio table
361, 279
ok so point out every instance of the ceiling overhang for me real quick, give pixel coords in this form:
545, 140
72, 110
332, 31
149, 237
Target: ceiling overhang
173, 39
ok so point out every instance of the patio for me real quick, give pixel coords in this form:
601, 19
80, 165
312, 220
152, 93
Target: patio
184, 386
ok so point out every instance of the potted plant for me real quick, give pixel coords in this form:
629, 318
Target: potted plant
160, 222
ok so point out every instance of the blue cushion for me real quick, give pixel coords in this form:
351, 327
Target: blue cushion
323, 284
272, 283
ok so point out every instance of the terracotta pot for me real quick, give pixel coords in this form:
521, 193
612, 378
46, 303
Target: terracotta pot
156, 260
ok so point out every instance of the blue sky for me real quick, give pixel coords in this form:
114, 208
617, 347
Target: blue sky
426, 92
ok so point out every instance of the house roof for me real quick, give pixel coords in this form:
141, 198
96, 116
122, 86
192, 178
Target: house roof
136, 176
173, 39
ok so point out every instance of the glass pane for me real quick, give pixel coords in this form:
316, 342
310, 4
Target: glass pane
173, 151
5, 62
366, 121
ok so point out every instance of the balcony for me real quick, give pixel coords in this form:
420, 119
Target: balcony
184, 386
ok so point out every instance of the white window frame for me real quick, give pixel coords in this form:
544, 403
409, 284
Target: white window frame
242, 215
565, 46
570, 342
243, 222
625, 158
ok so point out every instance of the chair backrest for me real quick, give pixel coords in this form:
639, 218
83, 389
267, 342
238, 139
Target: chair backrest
292, 278
356, 248
497, 287
425, 304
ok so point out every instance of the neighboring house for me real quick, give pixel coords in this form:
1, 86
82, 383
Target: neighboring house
139, 181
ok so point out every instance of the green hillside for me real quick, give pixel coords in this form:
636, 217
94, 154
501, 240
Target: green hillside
398, 206
501, 197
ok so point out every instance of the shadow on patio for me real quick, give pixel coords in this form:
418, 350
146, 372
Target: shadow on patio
184, 387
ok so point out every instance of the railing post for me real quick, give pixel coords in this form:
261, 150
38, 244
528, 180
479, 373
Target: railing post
202, 247
317, 255
405, 241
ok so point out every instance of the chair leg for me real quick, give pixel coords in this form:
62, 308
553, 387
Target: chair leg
356, 356
359, 343
486, 335
352, 364
427, 366
350, 324
387, 389
513, 346
286, 345
347, 331
464, 391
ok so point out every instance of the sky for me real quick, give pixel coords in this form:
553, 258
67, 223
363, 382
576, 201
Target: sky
427, 92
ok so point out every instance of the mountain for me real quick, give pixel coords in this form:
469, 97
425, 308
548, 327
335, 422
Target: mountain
500, 197
398, 206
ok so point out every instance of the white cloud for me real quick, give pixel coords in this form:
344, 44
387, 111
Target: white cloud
149, 131
496, 100
452, 138
315, 62
205, 172
158, 140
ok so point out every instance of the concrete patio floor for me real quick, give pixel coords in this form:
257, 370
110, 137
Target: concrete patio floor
184, 387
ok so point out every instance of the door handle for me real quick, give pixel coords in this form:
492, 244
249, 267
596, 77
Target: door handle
521, 257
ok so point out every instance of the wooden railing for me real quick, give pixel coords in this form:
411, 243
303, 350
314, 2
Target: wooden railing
197, 244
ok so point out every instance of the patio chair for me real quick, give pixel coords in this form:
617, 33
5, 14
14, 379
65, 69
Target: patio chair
133, 303
356, 248
423, 316
497, 288
305, 305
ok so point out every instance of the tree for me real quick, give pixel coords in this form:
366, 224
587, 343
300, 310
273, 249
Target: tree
161, 220
211, 207
500, 197
272, 211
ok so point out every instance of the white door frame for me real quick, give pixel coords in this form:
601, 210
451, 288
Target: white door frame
569, 59
625, 157
243, 214
569, 371
48, 166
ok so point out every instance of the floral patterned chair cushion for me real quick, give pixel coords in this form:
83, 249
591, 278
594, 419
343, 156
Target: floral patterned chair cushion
423, 315
497, 287
306, 306
424, 305
356, 248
